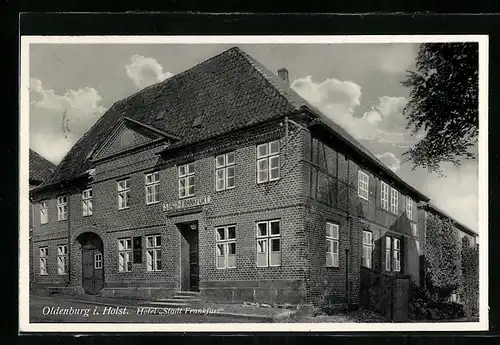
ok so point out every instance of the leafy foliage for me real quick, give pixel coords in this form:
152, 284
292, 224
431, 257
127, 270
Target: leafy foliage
442, 254
470, 276
443, 104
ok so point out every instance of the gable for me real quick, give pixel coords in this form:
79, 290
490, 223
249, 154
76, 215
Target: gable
124, 138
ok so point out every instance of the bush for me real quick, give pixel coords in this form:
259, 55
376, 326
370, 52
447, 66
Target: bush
423, 306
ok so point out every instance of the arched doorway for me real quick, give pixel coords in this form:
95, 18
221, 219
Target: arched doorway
92, 262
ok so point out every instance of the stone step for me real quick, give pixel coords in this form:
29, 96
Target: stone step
166, 304
188, 293
186, 297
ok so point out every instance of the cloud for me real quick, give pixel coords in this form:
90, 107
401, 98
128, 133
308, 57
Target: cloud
396, 58
390, 160
145, 71
58, 121
457, 193
339, 100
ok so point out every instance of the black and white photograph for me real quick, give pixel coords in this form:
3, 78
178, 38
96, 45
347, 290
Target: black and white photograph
276, 183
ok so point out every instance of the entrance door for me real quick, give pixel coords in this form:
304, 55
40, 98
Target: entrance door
92, 269
190, 275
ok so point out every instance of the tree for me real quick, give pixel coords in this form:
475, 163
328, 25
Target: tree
442, 257
443, 104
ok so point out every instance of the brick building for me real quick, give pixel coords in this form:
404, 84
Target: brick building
39, 170
222, 180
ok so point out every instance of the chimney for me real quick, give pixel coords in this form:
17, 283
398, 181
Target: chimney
283, 74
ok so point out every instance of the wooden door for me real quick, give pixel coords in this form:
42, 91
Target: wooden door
93, 270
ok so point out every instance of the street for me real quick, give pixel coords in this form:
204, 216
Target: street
56, 309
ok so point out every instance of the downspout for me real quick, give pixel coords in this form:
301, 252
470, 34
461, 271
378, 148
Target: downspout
69, 240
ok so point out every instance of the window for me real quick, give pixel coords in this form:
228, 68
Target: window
186, 180
98, 261
268, 243
384, 195
123, 194
61, 207
409, 208
62, 259
152, 188
388, 247
44, 252
224, 171
392, 250
225, 238
414, 231
268, 161
367, 248
87, 202
125, 255
397, 255
332, 245
394, 201
363, 185
44, 213
153, 253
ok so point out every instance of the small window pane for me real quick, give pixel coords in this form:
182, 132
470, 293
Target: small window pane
262, 229
230, 158
274, 147
262, 246
220, 234
231, 248
231, 232
190, 168
275, 245
275, 259
220, 161
262, 150
220, 249
275, 228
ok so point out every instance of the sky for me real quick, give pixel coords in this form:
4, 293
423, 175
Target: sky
357, 85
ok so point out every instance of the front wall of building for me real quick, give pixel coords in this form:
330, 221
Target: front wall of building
242, 206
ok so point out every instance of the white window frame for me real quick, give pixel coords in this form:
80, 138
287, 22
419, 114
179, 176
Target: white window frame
267, 240
125, 248
409, 208
98, 261
123, 189
270, 154
87, 207
62, 207
224, 242
44, 212
384, 195
394, 201
363, 185
332, 240
223, 165
186, 173
388, 253
152, 187
367, 245
396, 255
62, 259
153, 253
43, 254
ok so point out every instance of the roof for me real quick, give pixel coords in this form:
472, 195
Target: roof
227, 92
435, 209
40, 168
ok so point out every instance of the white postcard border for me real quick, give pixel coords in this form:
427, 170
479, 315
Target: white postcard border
26, 326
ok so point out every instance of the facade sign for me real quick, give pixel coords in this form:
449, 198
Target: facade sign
186, 203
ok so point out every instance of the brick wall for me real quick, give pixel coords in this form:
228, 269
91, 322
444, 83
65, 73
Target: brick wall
243, 206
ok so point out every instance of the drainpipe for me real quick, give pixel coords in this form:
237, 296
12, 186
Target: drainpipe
69, 240
348, 216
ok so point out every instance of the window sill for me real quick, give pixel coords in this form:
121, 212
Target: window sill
186, 197
225, 189
152, 203
123, 208
333, 267
62, 220
268, 181
158, 271
87, 215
